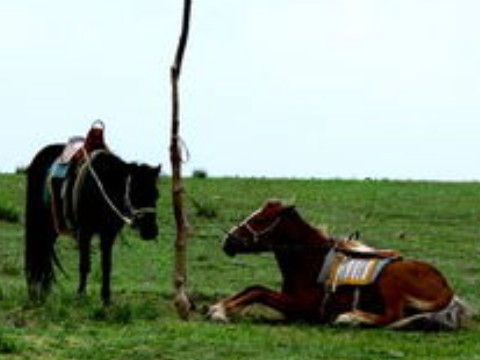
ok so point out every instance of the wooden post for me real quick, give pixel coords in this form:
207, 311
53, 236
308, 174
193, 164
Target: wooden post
182, 302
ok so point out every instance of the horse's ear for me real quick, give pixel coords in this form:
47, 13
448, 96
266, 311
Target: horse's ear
156, 170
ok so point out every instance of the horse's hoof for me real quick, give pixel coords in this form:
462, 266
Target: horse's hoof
347, 319
217, 313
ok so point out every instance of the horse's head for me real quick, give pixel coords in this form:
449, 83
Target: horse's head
258, 231
141, 199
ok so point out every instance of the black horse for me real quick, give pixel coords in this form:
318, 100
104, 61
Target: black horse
107, 194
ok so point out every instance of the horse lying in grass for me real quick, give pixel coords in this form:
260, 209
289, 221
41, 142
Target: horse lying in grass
323, 283
101, 195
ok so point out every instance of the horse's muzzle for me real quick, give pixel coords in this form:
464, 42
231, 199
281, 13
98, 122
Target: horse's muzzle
149, 233
231, 245
146, 225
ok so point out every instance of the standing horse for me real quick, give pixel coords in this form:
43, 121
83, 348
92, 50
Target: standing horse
106, 194
404, 293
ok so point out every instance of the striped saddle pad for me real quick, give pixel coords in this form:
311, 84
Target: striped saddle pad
340, 269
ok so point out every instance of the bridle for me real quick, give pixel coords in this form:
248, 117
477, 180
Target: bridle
134, 213
256, 234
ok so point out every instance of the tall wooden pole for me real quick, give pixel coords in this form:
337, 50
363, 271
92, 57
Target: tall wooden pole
182, 302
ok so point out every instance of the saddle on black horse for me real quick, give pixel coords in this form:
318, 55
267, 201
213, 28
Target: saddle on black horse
63, 174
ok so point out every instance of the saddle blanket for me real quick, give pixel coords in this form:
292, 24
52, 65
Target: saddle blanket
344, 270
59, 182
61, 165
73, 146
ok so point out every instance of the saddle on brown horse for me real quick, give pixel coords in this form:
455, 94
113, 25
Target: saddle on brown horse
63, 173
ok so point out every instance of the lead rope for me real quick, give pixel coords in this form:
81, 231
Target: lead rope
110, 203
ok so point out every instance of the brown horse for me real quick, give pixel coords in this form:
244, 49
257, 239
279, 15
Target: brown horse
405, 293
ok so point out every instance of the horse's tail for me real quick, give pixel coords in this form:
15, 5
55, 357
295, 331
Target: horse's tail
451, 317
40, 234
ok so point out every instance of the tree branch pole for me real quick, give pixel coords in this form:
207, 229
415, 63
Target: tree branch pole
182, 302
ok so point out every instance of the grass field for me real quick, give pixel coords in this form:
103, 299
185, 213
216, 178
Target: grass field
437, 222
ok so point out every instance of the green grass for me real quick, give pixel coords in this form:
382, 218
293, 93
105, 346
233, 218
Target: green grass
437, 222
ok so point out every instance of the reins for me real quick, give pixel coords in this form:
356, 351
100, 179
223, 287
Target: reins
129, 220
88, 164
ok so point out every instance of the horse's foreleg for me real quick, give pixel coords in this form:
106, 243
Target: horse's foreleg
106, 249
254, 294
84, 264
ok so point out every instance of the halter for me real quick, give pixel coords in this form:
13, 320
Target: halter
257, 233
134, 213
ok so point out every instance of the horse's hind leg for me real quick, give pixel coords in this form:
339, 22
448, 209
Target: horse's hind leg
84, 243
359, 317
394, 304
106, 248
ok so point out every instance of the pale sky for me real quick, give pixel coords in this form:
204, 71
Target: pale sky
276, 88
